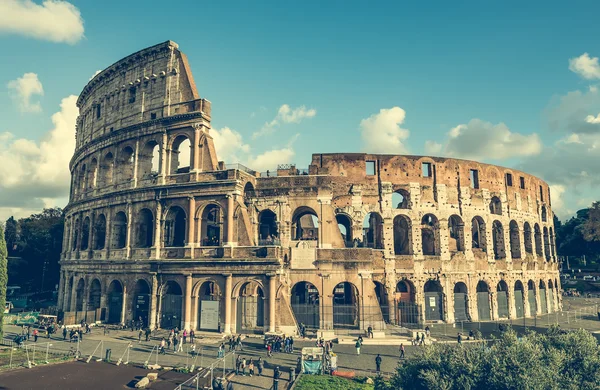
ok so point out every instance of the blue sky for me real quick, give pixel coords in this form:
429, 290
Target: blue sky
512, 79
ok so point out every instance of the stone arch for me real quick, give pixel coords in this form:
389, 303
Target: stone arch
75, 231
531, 293
527, 238
175, 227
544, 214
498, 240
547, 244
144, 237
383, 300
344, 223
305, 304
93, 174
345, 306
181, 154
402, 235
171, 305
94, 295
126, 163
456, 230
210, 305
149, 160
81, 180
141, 301
496, 206
211, 225
434, 309
119, 230
543, 302
502, 299
430, 235
515, 240
115, 301
268, 228
250, 306
305, 224
552, 304
401, 199
80, 294
100, 232
373, 231
519, 299
483, 301
106, 173
249, 191
69, 293
478, 234
85, 234
408, 310
461, 302
552, 244
538, 240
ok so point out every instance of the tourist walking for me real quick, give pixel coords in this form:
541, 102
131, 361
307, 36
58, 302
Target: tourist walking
459, 338
185, 334
357, 346
35, 335
378, 363
401, 351
261, 366
64, 333
276, 375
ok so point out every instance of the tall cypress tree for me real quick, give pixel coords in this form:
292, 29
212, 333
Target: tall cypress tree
3, 276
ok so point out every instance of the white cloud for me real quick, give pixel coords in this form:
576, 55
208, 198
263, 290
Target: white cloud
270, 159
53, 20
381, 132
433, 148
585, 66
593, 119
286, 114
95, 74
23, 89
479, 140
34, 175
557, 192
229, 144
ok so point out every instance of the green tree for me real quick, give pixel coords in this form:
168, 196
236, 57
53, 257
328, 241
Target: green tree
591, 227
11, 235
3, 276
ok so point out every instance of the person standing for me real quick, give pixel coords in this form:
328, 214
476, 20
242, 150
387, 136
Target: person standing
276, 375
140, 333
185, 334
401, 351
261, 366
238, 363
35, 335
192, 336
378, 363
251, 367
175, 341
459, 338
64, 333
180, 344
243, 366
357, 346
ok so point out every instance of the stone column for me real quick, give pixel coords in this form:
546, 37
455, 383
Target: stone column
191, 222
228, 298
157, 224
153, 301
72, 304
124, 304
67, 237
188, 302
108, 238
272, 295
163, 159
444, 234
61, 287
136, 163
129, 230
538, 304
230, 211
194, 153
510, 294
66, 302
526, 308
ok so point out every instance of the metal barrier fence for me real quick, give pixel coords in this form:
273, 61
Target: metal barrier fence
221, 366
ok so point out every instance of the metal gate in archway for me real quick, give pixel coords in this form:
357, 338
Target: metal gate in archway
142, 304
433, 306
502, 299
115, 306
307, 314
532, 303
519, 304
250, 313
543, 304
409, 313
171, 311
483, 306
460, 307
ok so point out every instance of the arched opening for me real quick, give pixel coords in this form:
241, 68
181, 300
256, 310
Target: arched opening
538, 240
546, 244
106, 170
408, 311
69, 294
80, 294
434, 310
268, 231
478, 238
519, 299
85, 234
498, 240
483, 301
93, 174
402, 234
115, 302
430, 235
305, 224
345, 227
181, 155
401, 199
461, 306
149, 160
515, 240
249, 191
543, 303
373, 231
552, 302
552, 244
95, 294
527, 238
81, 179
209, 306
145, 229
496, 206
544, 214
100, 232
75, 241
456, 229
382, 299
175, 227
502, 299
305, 304
345, 306
141, 301
126, 164
211, 223
171, 306
531, 298
119, 236
251, 308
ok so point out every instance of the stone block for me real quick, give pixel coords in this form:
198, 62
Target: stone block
142, 383
152, 376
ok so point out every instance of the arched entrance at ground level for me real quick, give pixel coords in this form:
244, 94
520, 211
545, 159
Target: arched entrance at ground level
461, 311
345, 306
171, 305
69, 294
502, 299
543, 303
531, 298
115, 302
250, 308
95, 294
382, 299
483, 301
552, 303
209, 307
141, 302
408, 311
305, 304
434, 310
519, 302
79, 297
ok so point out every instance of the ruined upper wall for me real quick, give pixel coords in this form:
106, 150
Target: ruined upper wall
148, 85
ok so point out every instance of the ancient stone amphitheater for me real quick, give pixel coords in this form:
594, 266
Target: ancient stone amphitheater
158, 228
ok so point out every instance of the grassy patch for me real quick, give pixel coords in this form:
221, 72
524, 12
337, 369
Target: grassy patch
19, 357
319, 382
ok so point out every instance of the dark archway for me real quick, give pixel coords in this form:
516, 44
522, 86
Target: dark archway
519, 299
209, 306
483, 301
527, 238
383, 300
498, 240
552, 301
430, 235
141, 302
456, 230
496, 206
547, 244
211, 226
251, 308
95, 294
268, 231
80, 295
531, 298
502, 299
171, 306
402, 234
305, 224
305, 305
515, 240
145, 229
538, 240
543, 302
544, 214
345, 306
461, 299
119, 236
100, 233
373, 231
115, 302
478, 240
434, 309
175, 225
126, 165
85, 234
345, 227
401, 199
408, 310
106, 170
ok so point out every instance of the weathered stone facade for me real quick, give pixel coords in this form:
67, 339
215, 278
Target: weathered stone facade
357, 240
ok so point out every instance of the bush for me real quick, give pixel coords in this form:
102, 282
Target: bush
319, 382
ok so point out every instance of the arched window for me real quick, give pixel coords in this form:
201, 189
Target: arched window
126, 164
149, 160
546, 244
402, 235
456, 228
92, 174
249, 191
527, 238
498, 239
544, 214
515, 241
538, 240
401, 199
478, 234
268, 232
106, 170
100, 232
345, 227
75, 232
181, 155
145, 229
85, 234
95, 294
305, 224
496, 206
552, 244
81, 180
175, 227
430, 235
119, 236
373, 231
211, 225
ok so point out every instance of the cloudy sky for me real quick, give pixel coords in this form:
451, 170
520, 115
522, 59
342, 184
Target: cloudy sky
512, 83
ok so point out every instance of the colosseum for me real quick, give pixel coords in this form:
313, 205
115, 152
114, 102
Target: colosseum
158, 229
